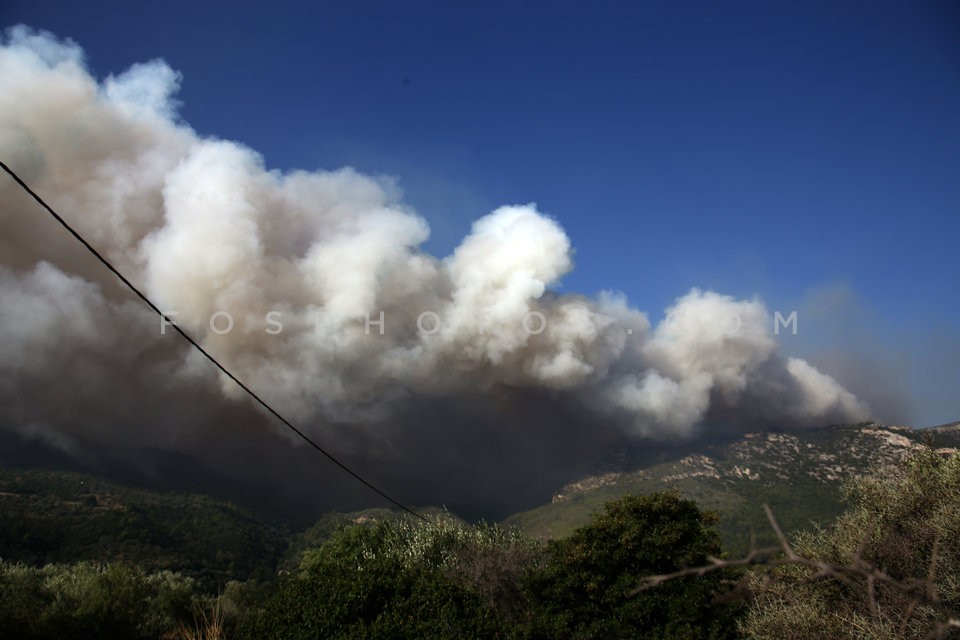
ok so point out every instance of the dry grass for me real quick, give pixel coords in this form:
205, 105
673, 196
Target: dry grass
208, 625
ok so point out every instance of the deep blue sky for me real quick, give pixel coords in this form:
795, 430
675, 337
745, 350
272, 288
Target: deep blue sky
808, 153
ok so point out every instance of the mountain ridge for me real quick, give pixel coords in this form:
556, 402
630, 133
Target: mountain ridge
50, 514
800, 473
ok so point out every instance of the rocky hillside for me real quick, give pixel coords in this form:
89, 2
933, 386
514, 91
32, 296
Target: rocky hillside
799, 473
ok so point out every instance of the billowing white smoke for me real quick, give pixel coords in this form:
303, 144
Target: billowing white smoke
205, 228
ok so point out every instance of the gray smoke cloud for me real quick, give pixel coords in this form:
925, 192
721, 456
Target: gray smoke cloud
305, 263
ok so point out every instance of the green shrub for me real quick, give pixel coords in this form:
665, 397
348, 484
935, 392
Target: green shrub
22, 597
87, 600
393, 578
582, 588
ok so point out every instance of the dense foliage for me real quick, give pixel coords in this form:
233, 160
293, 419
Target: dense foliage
62, 517
904, 521
582, 590
397, 577
61, 602
385, 579
405, 579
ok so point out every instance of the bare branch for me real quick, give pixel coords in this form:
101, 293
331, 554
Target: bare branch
755, 557
858, 574
787, 549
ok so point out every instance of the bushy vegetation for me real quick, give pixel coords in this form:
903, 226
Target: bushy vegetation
905, 522
444, 579
63, 517
382, 575
93, 601
384, 579
583, 588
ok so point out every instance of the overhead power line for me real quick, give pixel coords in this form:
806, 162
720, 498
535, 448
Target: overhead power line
263, 403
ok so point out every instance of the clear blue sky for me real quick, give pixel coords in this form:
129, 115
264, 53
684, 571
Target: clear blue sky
808, 153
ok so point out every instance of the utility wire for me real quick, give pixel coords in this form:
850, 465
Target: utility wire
197, 346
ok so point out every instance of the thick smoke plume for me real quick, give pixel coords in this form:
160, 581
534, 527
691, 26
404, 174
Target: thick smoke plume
305, 263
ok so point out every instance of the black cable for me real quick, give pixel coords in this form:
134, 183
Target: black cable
195, 345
